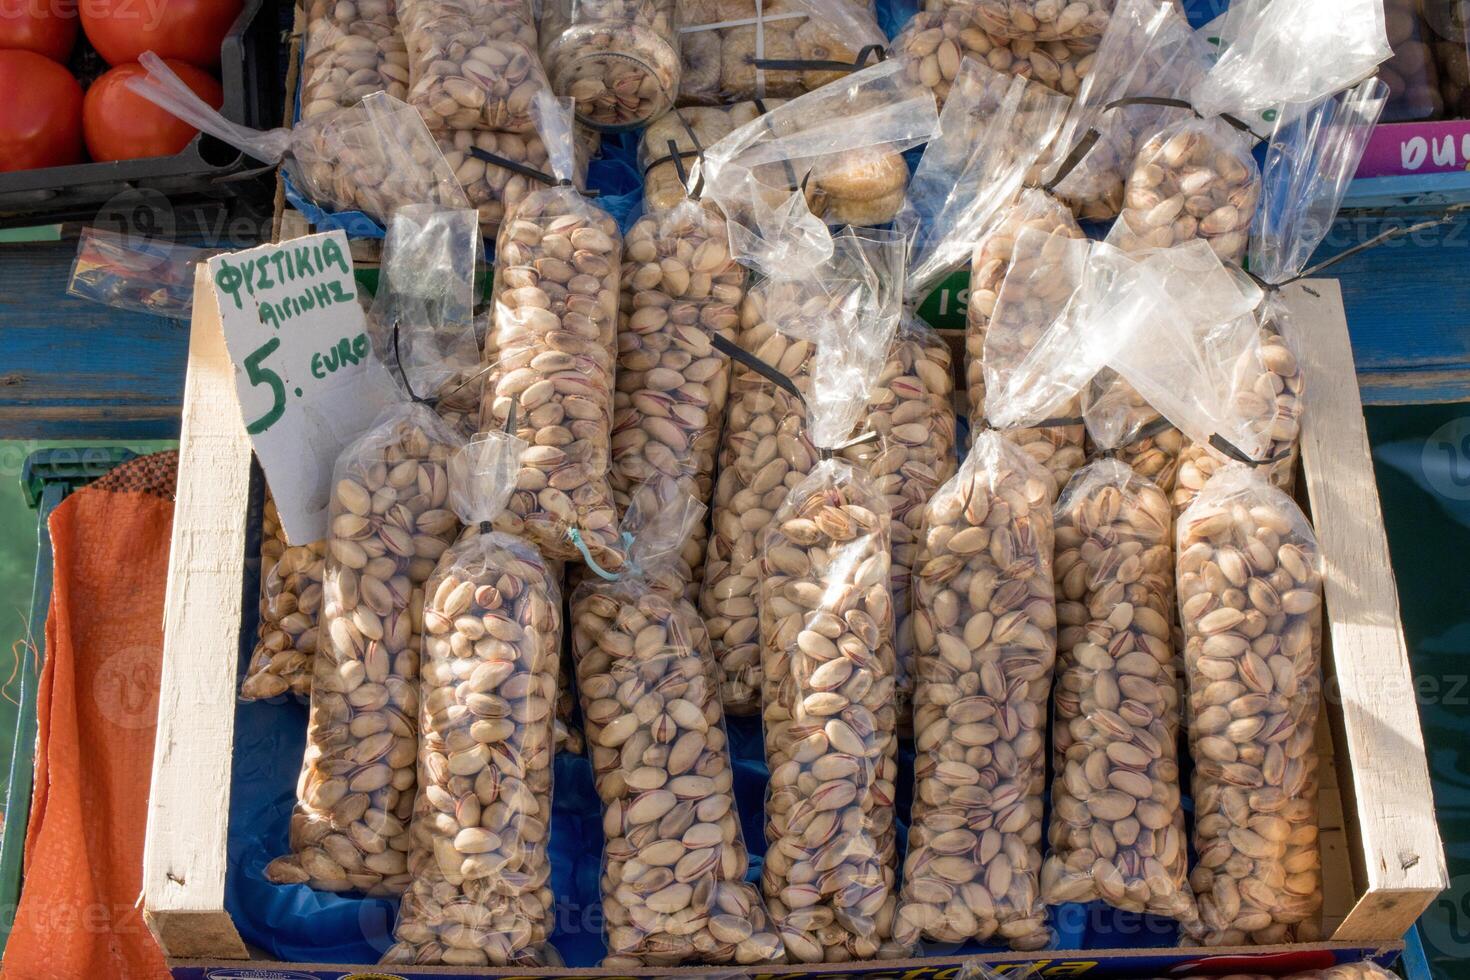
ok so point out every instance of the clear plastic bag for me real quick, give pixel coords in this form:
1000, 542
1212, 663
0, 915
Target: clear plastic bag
1117, 823
1149, 50
422, 320
673, 877
144, 275
290, 602
389, 523
1047, 224
618, 59
1045, 20
553, 343
1250, 600
721, 42
667, 149
766, 449
373, 157
1151, 445
935, 43
679, 287
912, 410
839, 144
986, 633
1312, 158
480, 893
1293, 51
353, 49
995, 130
473, 64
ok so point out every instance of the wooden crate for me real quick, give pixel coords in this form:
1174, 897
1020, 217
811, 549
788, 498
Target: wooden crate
1383, 859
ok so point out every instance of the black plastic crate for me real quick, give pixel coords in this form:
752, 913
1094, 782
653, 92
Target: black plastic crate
206, 171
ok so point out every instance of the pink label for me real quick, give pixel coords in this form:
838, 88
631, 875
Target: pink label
1399, 149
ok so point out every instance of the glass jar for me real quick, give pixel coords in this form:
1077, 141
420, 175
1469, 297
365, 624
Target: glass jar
617, 59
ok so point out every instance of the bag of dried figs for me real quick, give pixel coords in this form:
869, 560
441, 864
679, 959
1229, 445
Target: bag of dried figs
994, 131
374, 157
422, 319
553, 343
734, 50
352, 49
766, 449
674, 862
671, 143
829, 674
985, 634
1117, 824
473, 64
1149, 50
935, 43
1249, 579
1309, 163
1196, 178
480, 892
679, 288
389, 521
833, 155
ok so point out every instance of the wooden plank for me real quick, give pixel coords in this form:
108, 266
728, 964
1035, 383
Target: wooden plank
1403, 858
184, 856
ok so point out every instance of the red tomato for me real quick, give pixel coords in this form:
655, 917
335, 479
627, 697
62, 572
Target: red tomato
47, 27
189, 30
122, 125
40, 113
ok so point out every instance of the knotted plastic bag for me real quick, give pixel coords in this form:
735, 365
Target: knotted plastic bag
766, 448
553, 342
389, 522
985, 634
827, 650
674, 861
994, 131
480, 893
374, 157
679, 286
1117, 823
842, 140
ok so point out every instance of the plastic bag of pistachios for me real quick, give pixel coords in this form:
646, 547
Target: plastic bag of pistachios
1117, 824
553, 343
480, 892
1045, 20
733, 50
1196, 178
1149, 50
389, 521
985, 635
1250, 601
290, 602
352, 50
829, 674
679, 287
373, 157
831, 155
766, 448
994, 131
935, 43
674, 859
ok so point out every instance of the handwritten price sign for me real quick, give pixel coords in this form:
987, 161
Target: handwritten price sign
304, 367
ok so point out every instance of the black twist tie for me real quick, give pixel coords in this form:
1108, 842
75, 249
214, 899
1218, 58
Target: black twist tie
1449, 215
1073, 159
398, 359
1169, 103
875, 51
1229, 450
830, 452
674, 156
1060, 422
740, 355
486, 527
531, 173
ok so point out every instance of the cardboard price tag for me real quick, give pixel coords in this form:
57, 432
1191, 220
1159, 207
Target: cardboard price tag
304, 368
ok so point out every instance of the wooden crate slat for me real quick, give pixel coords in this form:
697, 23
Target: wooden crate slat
188, 805
1389, 797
